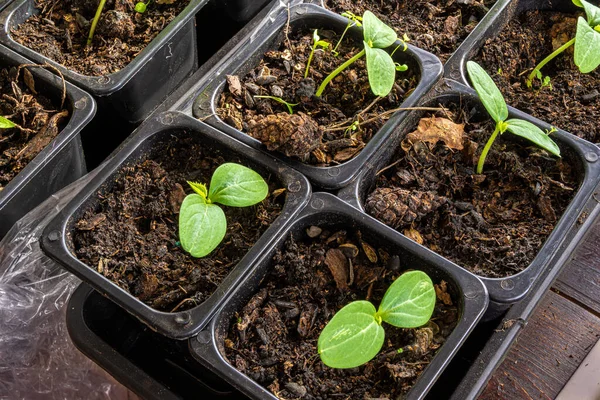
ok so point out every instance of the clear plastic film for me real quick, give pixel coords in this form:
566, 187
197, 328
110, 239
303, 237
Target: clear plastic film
37, 358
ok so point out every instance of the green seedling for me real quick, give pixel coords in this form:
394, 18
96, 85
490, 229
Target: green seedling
380, 65
6, 123
317, 42
141, 7
95, 21
586, 40
496, 106
202, 223
353, 20
355, 334
280, 100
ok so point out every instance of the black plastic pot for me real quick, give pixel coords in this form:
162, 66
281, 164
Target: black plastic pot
149, 364
134, 91
503, 291
61, 162
310, 15
325, 210
56, 240
494, 22
242, 10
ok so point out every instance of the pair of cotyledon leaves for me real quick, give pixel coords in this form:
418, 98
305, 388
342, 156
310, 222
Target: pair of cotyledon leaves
202, 223
355, 335
381, 69
587, 38
494, 103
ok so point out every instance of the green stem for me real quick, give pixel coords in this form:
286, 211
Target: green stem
350, 23
337, 71
95, 21
486, 149
546, 60
310, 57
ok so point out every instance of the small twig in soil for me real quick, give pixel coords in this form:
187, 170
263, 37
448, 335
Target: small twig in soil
287, 30
377, 99
53, 68
384, 114
181, 303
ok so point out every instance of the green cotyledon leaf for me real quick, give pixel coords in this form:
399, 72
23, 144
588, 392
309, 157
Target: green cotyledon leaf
488, 92
532, 133
409, 301
376, 33
237, 186
352, 337
381, 71
202, 226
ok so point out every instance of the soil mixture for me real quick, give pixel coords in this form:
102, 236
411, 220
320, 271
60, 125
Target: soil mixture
320, 132
493, 224
131, 236
573, 101
38, 118
273, 340
60, 32
438, 26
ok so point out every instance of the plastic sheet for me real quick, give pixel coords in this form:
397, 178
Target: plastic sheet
37, 358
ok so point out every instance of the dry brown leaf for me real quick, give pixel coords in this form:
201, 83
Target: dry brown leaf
338, 265
234, 85
414, 235
434, 129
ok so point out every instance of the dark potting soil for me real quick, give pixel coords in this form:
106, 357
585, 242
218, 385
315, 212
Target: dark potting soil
40, 121
131, 236
493, 224
438, 26
273, 339
61, 30
573, 101
320, 131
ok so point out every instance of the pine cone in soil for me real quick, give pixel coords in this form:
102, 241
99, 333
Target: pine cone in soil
295, 135
398, 207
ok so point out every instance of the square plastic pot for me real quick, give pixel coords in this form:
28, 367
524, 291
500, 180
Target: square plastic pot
56, 240
503, 13
134, 91
503, 291
61, 162
325, 210
310, 15
149, 364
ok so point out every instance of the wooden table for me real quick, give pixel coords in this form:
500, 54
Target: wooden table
560, 334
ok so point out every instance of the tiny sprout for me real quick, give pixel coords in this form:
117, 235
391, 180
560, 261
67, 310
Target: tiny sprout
354, 335
317, 42
586, 40
141, 7
280, 100
202, 224
401, 67
6, 123
545, 80
380, 65
352, 127
353, 20
495, 105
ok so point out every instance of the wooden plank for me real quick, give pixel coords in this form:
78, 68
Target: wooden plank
580, 279
547, 352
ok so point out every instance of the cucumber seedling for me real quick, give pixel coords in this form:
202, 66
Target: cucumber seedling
355, 334
586, 40
381, 68
202, 223
494, 103
281, 101
317, 42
